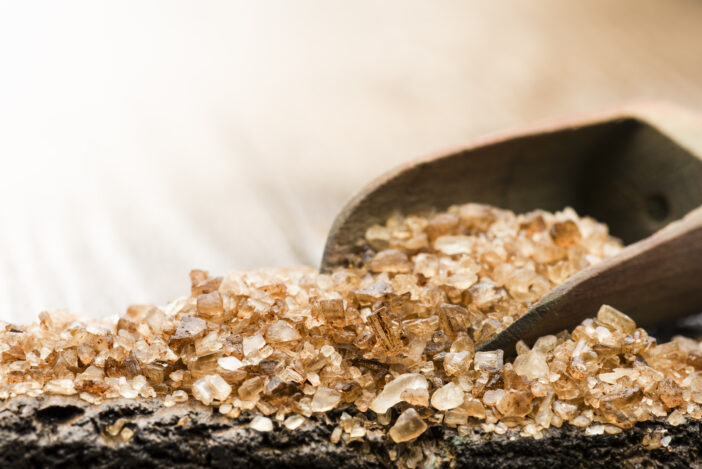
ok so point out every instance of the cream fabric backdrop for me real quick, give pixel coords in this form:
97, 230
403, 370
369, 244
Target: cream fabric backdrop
142, 139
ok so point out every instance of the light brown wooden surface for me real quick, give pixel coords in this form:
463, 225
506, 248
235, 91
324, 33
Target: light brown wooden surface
139, 140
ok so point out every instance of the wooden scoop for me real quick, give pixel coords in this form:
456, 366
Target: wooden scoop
620, 168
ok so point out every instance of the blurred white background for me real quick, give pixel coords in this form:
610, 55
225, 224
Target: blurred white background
142, 139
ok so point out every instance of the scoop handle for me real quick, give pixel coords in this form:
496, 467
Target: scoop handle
654, 281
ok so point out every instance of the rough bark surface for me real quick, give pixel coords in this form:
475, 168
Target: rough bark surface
67, 432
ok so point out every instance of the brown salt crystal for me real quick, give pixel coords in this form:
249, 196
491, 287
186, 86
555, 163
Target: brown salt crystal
453, 318
564, 410
416, 397
261, 424
544, 414
126, 434
615, 319
209, 305
189, 329
532, 224
373, 292
676, 418
332, 310
157, 371
565, 233
515, 404
489, 361
86, 354
532, 365
409, 425
473, 407
392, 392
441, 224
251, 388
383, 329
423, 327
447, 397
456, 363
452, 245
281, 331
391, 261
325, 399
512, 380
670, 393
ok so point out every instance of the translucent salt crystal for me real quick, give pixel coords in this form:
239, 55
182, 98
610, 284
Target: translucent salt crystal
61, 386
456, 417
451, 245
332, 310
409, 425
281, 331
373, 292
612, 430
180, 396
126, 434
392, 392
484, 293
615, 319
253, 344
581, 421
325, 399
293, 422
357, 432
564, 410
604, 336
384, 330
209, 388
202, 392
447, 397
677, 417
189, 329
544, 414
515, 404
86, 353
493, 396
461, 281
473, 407
426, 264
378, 236
532, 365
251, 388
618, 373
489, 361
416, 396
336, 435
220, 388
545, 343
224, 409
261, 424
595, 430
565, 233
390, 260
229, 363
127, 391
442, 224
116, 427
210, 305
